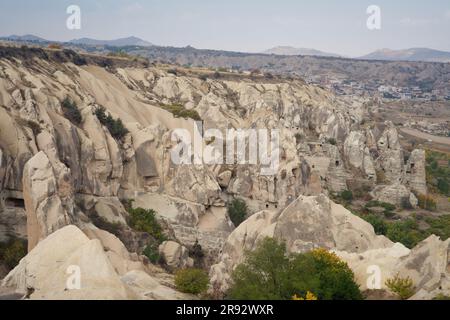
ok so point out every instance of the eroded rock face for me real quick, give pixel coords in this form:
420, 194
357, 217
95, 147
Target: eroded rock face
396, 194
45, 210
415, 172
358, 155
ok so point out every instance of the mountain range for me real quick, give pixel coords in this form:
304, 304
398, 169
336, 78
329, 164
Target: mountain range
130, 41
292, 51
413, 54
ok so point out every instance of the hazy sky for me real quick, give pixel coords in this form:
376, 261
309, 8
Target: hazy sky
240, 25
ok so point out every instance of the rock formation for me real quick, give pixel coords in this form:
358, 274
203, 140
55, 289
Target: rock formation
60, 174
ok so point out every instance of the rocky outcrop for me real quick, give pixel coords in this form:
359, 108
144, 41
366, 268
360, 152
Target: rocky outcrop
427, 265
396, 194
358, 155
45, 210
416, 177
84, 268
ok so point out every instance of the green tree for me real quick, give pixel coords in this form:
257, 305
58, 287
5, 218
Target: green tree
237, 211
194, 281
71, 111
270, 273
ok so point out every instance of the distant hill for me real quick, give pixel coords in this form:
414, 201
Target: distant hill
24, 38
291, 51
130, 41
413, 54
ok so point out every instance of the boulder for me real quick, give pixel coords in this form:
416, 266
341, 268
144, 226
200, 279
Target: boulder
45, 272
175, 255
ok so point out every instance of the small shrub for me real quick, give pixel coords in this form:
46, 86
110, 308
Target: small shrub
403, 287
347, 195
115, 126
406, 232
439, 226
151, 251
406, 204
427, 202
309, 296
194, 281
102, 223
196, 252
237, 211
71, 111
298, 137
12, 252
145, 221
379, 225
332, 141
443, 186
441, 297
180, 112
33, 125
385, 205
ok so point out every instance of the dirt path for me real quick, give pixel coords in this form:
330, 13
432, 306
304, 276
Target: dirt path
426, 136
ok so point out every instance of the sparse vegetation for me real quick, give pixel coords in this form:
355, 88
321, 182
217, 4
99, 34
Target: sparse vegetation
33, 125
180, 112
196, 252
145, 221
71, 111
270, 273
388, 207
438, 172
237, 211
115, 126
403, 287
439, 226
346, 195
332, 141
151, 251
379, 225
427, 202
194, 281
12, 252
100, 222
298, 137
406, 232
